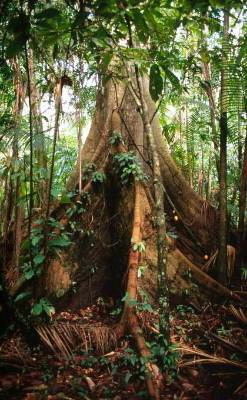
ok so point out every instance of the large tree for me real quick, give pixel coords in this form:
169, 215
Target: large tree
111, 219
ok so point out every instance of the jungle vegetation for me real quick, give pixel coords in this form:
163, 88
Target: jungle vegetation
123, 183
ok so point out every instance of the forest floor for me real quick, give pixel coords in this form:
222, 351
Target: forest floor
212, 360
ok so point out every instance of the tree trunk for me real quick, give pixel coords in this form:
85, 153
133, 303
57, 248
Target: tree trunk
17, 209
117, 208
211, 99
39, 141
222, 258
242, 200
209, 178
189, 149
195, 214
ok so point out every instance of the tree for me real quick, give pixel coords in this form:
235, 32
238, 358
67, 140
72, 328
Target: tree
222, 260
125, 179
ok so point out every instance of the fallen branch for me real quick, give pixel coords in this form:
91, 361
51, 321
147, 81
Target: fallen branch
206, 358
226, 343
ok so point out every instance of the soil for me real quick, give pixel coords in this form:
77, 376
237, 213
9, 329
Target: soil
208, 343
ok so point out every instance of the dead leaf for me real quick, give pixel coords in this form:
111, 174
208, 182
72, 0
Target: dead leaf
90, 383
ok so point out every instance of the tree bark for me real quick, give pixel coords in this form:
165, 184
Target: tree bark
38, 140
242, 200
109, 213
222, 258
199, 217
211, 99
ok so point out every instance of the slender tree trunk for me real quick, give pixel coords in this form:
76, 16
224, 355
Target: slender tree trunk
209, 178
9, 206
18, 209
211, 99
38, 140
201, 174
79, 141
222, 258
242, 199
189, 149
181, 139
240, 142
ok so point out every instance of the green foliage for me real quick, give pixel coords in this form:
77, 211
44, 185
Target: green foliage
128, 167
98, 177
116, 312
132, 360
172, 48
58, 242
140, 306
244, 273
165, 355
89, 361
29, 272
222, 331
65, 159
88, 170
23, 296
33, 258
131, 302
139, 247
116, 139
43, 306
141, 270
183, 309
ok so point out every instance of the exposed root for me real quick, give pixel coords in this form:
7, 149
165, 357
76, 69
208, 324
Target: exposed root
153, 375
129, 320
202, 278
100, 147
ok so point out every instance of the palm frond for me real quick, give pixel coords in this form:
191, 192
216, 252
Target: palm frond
63, 338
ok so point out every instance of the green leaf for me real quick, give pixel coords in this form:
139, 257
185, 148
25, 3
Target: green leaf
15, 47
172, 77
106, 61
23, 295
59, 242
65, 199
49, 309
25, 245
156, 82
37, 309
135, 247
36, 239
29, 274
140, 23
48, 13
126, 296
39, 259
146, 307
127, 377
55, 192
